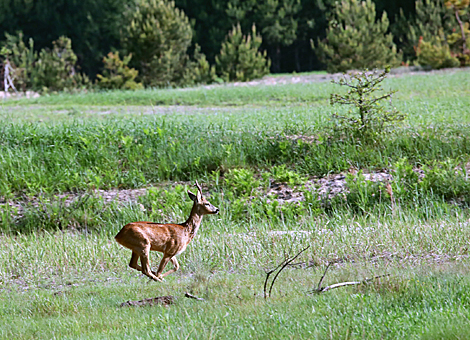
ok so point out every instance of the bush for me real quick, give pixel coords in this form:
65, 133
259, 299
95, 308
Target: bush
56, 68
435, 56
199, 71
117, 75
240, 59
22, 59
51, 70
158, 35
354, 39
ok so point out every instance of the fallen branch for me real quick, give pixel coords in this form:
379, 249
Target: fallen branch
193, 297
159, 300
321, 289
283, 265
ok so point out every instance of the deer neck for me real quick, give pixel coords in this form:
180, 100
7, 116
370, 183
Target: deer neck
193, 222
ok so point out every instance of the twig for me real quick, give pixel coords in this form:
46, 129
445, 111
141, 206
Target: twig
324, 274
283, 265
343, 284
193, 297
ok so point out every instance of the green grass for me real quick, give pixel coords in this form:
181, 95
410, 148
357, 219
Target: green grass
69, 283
48, 149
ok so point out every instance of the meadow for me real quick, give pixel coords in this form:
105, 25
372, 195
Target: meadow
62, 275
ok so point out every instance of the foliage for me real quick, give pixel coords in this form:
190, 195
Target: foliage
364, 194
117, 75
459, 40
22, 59
435, 55
93, 25
199, 71
56, 68
446, 179
430, 22
158, 35
355, 40
240, 59
276, 19
371, 119
281, 174
50, 70
241, 181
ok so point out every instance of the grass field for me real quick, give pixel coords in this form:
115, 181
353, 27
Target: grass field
62, 275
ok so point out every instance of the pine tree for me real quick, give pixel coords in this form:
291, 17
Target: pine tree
276, 20
355, 40
459, 40
431, 23
117, 75
240, 58
158, 35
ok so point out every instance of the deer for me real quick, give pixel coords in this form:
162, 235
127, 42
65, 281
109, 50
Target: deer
169, 239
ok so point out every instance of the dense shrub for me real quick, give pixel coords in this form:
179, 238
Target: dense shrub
56, 68
199, 71
240, 58
430, 20
435, 56
117, 75
22, 58
355, 40
50, 70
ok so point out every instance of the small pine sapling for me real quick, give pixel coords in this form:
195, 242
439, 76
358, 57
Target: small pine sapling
371, 118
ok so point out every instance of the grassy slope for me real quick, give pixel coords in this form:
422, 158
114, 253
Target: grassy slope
62, 143
69, 285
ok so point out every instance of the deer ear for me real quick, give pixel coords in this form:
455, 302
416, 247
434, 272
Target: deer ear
192, 196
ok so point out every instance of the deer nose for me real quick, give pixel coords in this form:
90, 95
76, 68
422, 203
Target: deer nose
216, 210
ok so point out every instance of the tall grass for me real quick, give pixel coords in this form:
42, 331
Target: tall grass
63, 276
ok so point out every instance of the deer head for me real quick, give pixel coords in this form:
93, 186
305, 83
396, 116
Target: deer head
201, 204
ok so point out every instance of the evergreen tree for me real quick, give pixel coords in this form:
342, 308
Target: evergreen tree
431, 22
278, 22
92, 25
240, 58
210, 23
460, 38
355, 40
117, 75
275, 18
158, 35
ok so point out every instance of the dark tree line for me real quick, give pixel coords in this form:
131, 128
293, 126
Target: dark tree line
287, 27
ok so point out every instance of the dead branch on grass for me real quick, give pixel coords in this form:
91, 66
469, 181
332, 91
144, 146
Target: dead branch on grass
159, 300
282, 265
321, 289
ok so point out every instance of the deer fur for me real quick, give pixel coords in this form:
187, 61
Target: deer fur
169, 239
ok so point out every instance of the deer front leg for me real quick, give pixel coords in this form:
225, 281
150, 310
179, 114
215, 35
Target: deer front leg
133, 263
162, 266
176, 266
144, 259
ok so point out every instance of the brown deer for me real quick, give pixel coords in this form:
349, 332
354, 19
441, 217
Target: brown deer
169, 239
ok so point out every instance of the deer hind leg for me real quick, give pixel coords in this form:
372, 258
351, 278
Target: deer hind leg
144, 259
133, 264
176, 266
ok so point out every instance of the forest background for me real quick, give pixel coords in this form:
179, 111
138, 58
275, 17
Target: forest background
294, 35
